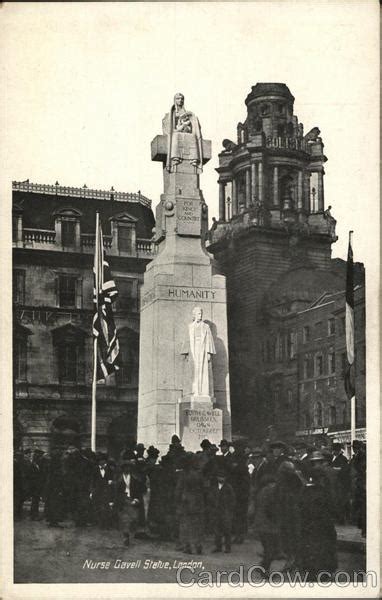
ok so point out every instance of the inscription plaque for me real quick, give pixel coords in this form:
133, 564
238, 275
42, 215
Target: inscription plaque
188, 217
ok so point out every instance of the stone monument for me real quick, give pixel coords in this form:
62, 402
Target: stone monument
183, 368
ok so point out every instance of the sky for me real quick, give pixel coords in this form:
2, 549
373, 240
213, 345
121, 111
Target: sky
87, 85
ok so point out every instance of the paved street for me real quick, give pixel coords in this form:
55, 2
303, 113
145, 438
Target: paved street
50, 555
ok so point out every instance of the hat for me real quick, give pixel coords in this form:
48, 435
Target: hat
256, 452
221, 472
287, 467
152, 451
317, 455
224, 443
128, 455
38, 451
175, 439
101, 456
337, 446
278, 444
205, 444
357, 444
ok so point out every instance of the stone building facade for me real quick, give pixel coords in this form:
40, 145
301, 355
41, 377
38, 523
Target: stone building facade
53, 255
273, 243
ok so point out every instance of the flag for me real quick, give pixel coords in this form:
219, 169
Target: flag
104, 329
349, 324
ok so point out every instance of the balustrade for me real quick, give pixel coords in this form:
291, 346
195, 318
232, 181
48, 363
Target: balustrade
40, 236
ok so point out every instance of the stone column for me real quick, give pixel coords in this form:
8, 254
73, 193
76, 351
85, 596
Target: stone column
234, 198
275, 186
78, 235
57, 227
253, 182
300, 200
260, 182
19, 233
221, 201
306, 192
320, 191
248, 187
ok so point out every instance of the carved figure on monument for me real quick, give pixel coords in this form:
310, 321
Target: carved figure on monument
198, 349
312, 135
331, 221
183, 134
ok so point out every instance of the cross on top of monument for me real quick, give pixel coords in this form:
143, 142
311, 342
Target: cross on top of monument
181, 139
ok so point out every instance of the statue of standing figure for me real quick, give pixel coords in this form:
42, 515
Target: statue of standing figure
200, 347
184, 136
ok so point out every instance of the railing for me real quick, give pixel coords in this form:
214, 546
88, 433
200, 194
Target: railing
88, 240
40, 236
47, 236
84, 192
146, 246
290, 143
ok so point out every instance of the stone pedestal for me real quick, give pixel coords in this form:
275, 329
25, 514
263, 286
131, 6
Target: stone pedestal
176, 281
197, 423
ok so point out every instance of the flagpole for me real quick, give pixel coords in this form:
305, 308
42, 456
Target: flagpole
352, 400
94, 383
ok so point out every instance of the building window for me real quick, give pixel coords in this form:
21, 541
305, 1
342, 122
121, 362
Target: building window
318, 330
128, 357
332, 362
68, 233
291, 344
20, 358
306, 334
331, 326
289, 398
18, 286
332, 415
127, 297
125, 239
280, 347
318, 421
67, 291
319, 365
308, 368
70, 362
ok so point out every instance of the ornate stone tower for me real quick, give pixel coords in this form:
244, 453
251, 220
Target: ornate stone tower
271, 220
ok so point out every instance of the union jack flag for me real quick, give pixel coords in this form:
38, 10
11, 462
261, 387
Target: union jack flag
104, 328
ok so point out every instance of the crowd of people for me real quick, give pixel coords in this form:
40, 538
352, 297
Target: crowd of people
289, 498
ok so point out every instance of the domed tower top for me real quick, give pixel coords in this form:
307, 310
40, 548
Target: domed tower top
269, 91
270, 110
